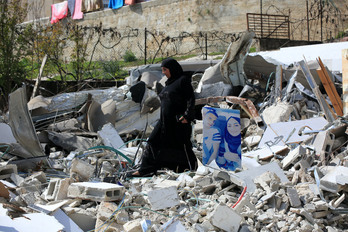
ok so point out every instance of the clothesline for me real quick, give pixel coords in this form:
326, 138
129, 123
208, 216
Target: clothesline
77, 8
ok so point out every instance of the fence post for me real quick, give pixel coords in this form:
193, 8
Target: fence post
206, 45
145, 50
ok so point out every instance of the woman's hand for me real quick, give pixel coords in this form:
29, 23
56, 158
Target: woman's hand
182, 119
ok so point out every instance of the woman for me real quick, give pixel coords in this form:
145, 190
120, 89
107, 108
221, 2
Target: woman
231, 157
169, 145
211, 136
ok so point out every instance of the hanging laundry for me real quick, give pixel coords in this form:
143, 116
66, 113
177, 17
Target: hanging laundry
115, 4
77, 11
92, 5
71, 6
59, 11
129, 2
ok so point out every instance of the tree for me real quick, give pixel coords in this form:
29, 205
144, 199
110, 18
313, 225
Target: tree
13, 47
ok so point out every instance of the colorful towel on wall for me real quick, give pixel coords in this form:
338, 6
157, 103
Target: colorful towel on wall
115, 4
78, 10
71, 6
59, 11
92, 5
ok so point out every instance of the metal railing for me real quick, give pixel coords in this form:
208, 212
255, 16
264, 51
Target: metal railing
269, 26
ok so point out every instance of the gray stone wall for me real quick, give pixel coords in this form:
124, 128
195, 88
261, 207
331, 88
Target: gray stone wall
173, 16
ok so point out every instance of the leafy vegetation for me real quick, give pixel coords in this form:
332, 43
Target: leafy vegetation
13, 47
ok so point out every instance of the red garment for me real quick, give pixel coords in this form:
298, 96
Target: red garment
129, 2
59, 11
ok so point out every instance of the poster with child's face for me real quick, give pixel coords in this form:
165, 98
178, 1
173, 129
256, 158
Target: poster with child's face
221, 137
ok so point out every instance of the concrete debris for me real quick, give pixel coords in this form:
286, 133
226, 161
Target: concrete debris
65, 159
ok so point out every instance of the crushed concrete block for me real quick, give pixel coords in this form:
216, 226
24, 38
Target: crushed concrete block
133, 226
310, 207
29, 198
203, 181
82, 168
277, 113
251, 141
321, 205
334, 179
85, 219
16, 179
40, 176
323, 144
6, 171
268, 181
57, 189
304, 213
219, 215
163, 198
293, 155
293, 197
97, 191
249, 175
30, 185
173, 225
105, 211
320, 214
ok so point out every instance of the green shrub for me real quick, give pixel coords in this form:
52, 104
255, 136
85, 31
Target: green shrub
129, 56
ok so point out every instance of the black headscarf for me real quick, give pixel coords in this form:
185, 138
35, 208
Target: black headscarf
174, 67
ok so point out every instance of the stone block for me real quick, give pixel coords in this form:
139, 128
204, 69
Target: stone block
173, 225
40, 176
82, 168
334, 179
221, 213
293, 197
96, 191
17, 179
293, 156
323, 144
163, 198
57, 189
133, 226
6, 171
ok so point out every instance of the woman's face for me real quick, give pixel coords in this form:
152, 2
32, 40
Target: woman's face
209, 120
166, 72
233, 127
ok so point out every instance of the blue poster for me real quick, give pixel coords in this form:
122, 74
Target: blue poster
221, 137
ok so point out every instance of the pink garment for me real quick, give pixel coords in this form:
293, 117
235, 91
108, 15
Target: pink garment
59, 11
78, 10
129, 2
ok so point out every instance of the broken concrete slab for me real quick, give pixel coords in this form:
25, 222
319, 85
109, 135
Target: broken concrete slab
294, 155
288, 132
22, 124
71, 142
277, 113
334, 178
100, 114
163, 198
7, 171
249, 175
219, 215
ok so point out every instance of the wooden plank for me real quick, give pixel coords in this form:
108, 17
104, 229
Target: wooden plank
345, 80
330, 88
321, 100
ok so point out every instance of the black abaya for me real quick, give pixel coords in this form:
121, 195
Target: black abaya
169, 145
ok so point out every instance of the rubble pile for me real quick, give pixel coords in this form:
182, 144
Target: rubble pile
65, 159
